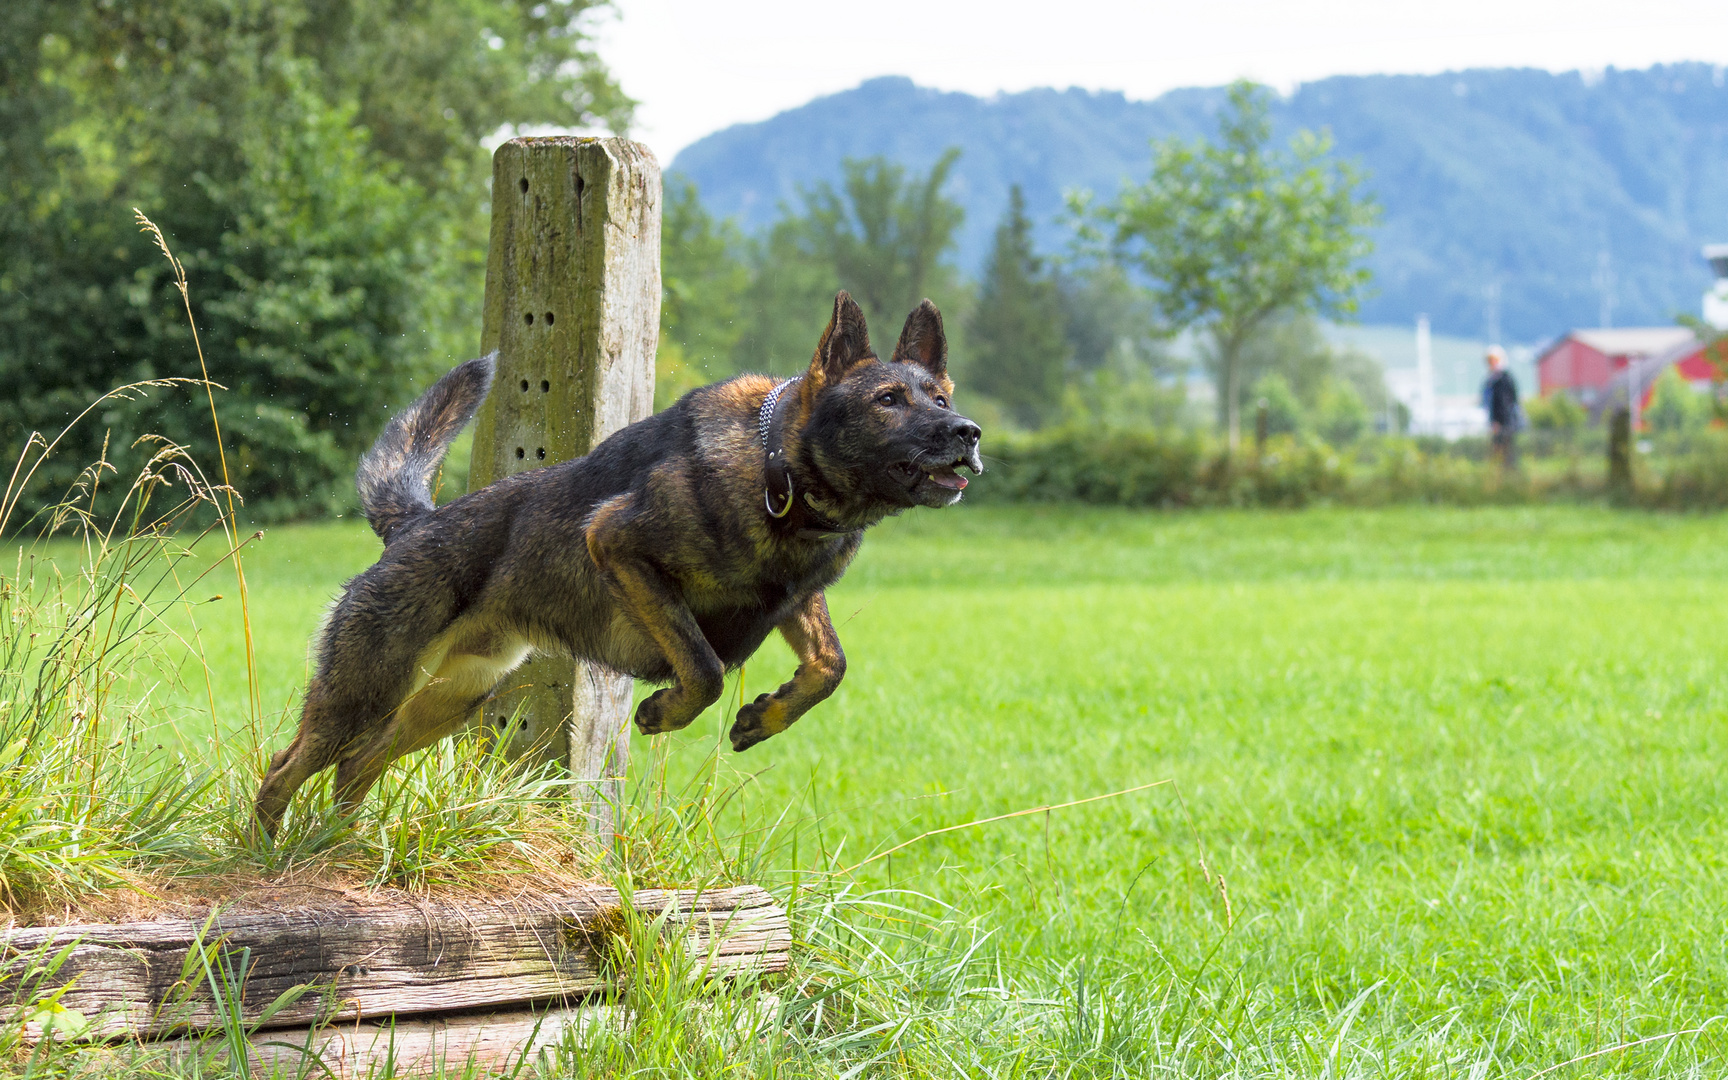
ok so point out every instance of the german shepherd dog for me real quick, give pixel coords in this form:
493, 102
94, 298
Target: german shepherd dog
668, 553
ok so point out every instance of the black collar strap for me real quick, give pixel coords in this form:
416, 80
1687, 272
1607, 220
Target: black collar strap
778, 498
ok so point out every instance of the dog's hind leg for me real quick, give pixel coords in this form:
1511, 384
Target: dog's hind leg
383, 637
314, 749
821, 666
465, 676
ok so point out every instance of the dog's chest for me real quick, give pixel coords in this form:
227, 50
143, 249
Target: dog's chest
770, 586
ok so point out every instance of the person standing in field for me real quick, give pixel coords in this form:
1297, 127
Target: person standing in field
1500, 399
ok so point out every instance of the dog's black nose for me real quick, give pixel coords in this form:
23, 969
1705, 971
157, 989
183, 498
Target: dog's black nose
966, 431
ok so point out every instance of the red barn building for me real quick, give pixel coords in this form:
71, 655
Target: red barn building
1592, 365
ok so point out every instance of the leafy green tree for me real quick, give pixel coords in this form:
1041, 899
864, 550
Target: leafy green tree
1340, 415
1284, 412
1714, 340
1676, 408
704, 280
1557, 412
1121, 366
790, 294
884, 236
1293, 347
1230, 233
1019, 352
1108, 321
887, 236
317, 166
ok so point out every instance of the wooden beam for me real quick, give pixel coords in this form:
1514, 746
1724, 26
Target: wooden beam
367, 956
573, 310
483, 1044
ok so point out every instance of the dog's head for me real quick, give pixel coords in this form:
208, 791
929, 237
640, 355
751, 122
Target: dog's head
885, 434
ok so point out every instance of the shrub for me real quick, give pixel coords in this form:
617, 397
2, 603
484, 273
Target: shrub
1341, 417
1675, 407
1174, 468
1157, 468
1694, 480
1558, 412
1283, 409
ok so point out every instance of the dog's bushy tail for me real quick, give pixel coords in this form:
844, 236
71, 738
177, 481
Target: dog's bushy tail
395, 477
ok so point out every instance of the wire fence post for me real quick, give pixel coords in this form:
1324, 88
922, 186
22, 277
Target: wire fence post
1620, 437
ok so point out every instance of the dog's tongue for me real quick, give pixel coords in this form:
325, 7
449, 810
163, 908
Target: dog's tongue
947, 477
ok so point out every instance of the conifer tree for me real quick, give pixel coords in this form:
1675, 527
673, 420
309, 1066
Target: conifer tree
1019, 350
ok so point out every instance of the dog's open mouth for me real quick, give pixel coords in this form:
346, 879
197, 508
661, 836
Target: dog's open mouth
945, 476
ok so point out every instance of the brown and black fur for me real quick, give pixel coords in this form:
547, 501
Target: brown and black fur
654, 554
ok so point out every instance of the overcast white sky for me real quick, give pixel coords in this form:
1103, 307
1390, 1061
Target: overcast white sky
700, 65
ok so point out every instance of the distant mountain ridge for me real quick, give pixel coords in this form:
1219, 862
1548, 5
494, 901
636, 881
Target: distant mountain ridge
1508, 177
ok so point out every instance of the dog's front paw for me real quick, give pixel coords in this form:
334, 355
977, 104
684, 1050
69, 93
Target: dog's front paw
651, 714
757, 721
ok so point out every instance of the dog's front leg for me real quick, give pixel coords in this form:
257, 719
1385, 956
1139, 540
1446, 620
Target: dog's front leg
821, 666
650, 601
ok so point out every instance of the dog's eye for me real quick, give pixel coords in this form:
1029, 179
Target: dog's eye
888, 399
941, 401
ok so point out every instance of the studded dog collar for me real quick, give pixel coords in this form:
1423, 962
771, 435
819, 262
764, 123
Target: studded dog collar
778, 497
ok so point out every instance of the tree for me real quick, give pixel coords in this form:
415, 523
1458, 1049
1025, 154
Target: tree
1019, 353
1340, 415
886, 238
1335, 390
1108, 321
1284, 412
703, 282
1714, 340
1557, 412
1675, 408
883, 237
317, 166
1232, 232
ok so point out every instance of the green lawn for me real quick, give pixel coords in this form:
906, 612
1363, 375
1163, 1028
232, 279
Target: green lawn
1466, 763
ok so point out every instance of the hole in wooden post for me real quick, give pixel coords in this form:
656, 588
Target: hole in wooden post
548, 318
545, 386
529, 318
524, 185
521, 453
540, 453
524, 386
580, 184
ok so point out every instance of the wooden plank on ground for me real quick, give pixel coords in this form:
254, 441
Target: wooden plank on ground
441, 1046
364, 956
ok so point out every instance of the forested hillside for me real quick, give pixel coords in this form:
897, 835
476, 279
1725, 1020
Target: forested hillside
1518, 179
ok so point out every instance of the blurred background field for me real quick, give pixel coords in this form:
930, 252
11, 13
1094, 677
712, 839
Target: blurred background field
1465, 759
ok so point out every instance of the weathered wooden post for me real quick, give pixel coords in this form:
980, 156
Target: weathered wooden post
1620, 454
573, 309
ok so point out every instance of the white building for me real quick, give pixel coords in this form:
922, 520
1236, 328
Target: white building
1449, 416
1716, 299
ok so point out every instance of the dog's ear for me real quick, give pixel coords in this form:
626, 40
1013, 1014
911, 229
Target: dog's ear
846, 342
922, 342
